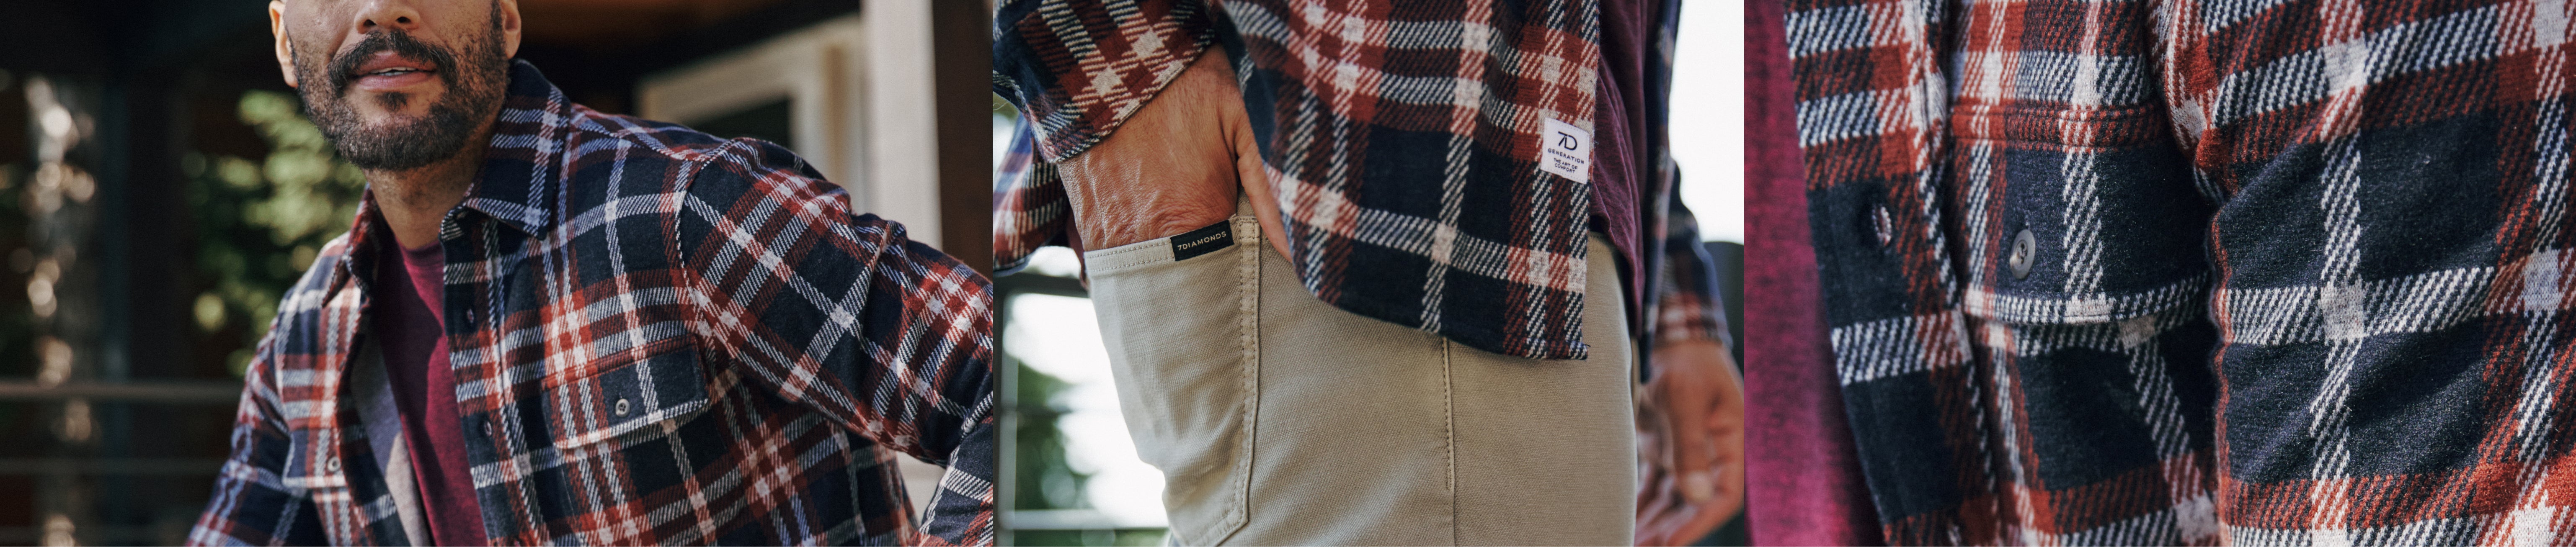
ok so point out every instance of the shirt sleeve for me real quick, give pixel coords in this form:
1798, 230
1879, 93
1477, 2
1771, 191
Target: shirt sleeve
1686, 302
1029, 206
251, 504
841, 312
1076, 69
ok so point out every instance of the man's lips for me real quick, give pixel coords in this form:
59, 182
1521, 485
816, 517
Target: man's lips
386, 71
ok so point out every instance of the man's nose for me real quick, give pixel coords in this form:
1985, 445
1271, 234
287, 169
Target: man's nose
395, 15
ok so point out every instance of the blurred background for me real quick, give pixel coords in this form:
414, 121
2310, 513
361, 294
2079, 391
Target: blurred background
160, 188
1071, 476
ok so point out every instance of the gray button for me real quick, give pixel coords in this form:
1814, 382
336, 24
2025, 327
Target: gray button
621, 407
331, 465
2024, 249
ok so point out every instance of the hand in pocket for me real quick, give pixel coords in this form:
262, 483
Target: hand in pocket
1174, 166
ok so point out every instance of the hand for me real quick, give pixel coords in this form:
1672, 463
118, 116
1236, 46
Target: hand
1691, 438
1174, 166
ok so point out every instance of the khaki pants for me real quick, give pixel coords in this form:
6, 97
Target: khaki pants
1280, 420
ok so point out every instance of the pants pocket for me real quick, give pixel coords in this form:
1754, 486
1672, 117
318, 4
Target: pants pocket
1176, 315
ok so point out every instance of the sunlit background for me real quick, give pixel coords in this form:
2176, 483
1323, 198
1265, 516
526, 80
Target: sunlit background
1071, 469
1707, 128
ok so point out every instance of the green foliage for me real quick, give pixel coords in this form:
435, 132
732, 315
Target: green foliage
261, 221
1126, 537
1045, 479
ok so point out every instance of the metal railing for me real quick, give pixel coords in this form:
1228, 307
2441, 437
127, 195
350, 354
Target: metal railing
208, 392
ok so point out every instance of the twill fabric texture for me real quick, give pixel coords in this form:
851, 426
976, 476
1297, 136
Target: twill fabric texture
2190, 271
1280, 420
1401, 138
658, 337
1803, 481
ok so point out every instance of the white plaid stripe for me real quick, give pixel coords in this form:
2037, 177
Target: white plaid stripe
2305, 314
1900, 346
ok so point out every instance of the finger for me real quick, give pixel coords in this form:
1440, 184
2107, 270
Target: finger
1669, 522
1725, 425
1668, 436
1255, 178
1244, 147
1658, 515
1654, 489
1704, 518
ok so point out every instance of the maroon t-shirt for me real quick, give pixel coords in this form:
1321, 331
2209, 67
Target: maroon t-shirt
1803, 478
408, 319
1623, 138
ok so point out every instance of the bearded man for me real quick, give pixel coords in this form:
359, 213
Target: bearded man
551, 325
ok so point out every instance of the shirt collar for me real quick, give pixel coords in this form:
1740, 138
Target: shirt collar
523, 167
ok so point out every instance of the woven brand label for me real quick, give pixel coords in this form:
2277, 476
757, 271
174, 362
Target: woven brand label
1203, 241
1566, 152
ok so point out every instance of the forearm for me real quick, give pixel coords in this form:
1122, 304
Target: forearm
1176, 165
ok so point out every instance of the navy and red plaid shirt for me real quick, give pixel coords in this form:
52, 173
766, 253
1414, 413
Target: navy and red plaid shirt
2197, 271
658, 337
1402, 139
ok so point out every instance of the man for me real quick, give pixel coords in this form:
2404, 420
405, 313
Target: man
2198, 272
1352, 290
550, 325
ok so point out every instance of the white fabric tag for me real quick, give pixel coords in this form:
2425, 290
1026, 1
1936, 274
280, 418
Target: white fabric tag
1567, 151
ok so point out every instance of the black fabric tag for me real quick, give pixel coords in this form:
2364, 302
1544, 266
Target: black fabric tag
1203, 241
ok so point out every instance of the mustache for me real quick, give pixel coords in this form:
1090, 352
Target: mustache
344, 69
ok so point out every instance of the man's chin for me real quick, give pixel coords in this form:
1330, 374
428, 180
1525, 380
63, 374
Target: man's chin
393, 123
383, 131
380, 110
398, 143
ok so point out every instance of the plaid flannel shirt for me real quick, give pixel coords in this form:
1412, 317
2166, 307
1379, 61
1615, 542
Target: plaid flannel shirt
1402, 139
2198, 271
659, 337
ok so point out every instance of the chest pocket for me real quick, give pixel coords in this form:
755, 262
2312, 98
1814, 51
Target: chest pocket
2074, 216
625, 394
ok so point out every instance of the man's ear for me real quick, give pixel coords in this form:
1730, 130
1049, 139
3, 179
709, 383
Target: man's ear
509, 27
285, 47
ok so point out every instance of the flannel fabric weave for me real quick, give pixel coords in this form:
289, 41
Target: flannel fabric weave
2192, 271
659, 337
1402, 139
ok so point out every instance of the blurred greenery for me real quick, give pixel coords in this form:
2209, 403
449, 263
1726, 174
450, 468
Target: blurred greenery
1124, 538
1046, 480
1002, 109
260, 222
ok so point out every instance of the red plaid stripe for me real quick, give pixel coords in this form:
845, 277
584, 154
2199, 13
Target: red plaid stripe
2024, 208
659, 337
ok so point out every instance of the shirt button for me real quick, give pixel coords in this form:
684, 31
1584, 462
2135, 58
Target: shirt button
621, 407
2024, 246
1884, 228
331, 465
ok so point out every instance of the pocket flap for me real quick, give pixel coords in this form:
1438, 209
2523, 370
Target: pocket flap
624, 397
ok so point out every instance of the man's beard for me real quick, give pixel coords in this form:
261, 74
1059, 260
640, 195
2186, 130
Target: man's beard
474, 90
